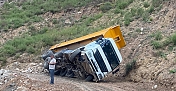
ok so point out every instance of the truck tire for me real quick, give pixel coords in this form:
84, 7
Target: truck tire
63, 72
47, 54
82, 76
60, 53
74, 54
89, 78
57, 72
70, 74
46, 65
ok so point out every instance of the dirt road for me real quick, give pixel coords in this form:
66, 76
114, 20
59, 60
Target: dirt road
40, 82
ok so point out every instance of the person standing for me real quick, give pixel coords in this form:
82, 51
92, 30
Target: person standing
52, 68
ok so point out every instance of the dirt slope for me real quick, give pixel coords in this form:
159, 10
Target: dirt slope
149, 66
151, 72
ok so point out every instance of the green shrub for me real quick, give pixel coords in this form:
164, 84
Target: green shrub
156, 44
127, 22
21, 47
150, 19
172, 71
43, 30
174, 39
89, 20
129, 66
162, 54
146, 4
117, 11
130, 1
145, 16
122, 4
167, 41
14, 16
48, 40
156, 3
8, 50
158, 35
106, 6
128, 18
2, 61
159, 8
133, 11
138, 30
139, 12
151, 9
55, 21
170, 48
17, 55
73, 3
30, 50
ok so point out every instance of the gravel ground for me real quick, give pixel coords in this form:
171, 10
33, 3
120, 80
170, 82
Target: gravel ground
40, 82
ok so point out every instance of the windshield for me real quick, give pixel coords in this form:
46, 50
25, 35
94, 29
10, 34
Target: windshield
111, 54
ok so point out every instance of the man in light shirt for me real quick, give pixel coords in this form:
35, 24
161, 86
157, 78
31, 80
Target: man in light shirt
52, 68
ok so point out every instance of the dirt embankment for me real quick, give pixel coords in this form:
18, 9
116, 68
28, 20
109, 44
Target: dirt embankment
151, 72
151, 67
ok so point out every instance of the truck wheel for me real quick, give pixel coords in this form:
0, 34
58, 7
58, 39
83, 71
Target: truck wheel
70, 73
47, 60
46, 65
60, 53
74, 54
47, 54
57, 72
63, 72
89, 78
82, 76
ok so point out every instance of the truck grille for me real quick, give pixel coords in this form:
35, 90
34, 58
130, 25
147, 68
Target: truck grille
100, 61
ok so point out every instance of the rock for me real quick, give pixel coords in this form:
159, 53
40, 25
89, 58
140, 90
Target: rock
33, 64
154, 87
29, 70
5, 81
16, 63
17, 69
142, 29
1, 83
1, 72
5, 76
24, 71
67, 21
79, 12
40, 64
21, 88
141, 33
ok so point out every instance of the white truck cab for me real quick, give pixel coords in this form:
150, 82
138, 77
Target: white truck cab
103, 56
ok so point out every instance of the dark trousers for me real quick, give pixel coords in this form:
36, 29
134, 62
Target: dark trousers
52, 76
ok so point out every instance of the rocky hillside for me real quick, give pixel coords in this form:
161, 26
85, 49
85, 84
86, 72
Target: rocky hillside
152, 64
148, 57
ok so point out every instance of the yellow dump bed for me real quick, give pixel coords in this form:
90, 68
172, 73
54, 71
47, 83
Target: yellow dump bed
112, 32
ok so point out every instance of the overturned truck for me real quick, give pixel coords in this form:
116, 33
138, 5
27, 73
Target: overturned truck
89, 57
